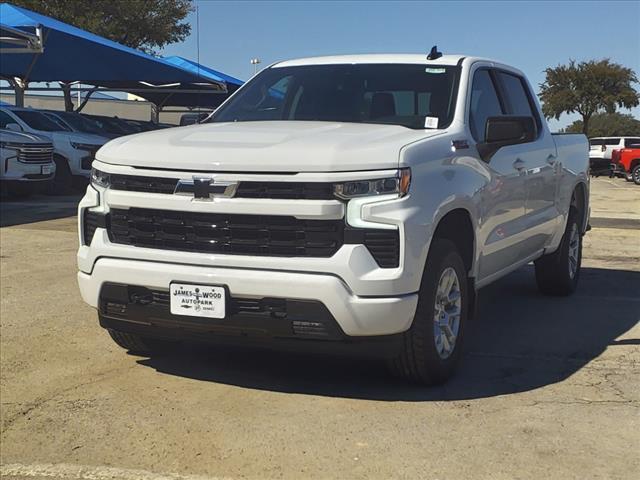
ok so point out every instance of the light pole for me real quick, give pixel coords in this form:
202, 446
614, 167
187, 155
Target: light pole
255, 62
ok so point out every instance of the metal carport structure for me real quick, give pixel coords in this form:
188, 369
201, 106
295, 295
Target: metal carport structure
71, 55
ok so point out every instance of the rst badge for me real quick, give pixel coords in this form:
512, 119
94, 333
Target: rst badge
205, 188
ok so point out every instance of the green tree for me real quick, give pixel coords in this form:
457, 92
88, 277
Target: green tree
607, 125
146, 25
588, 88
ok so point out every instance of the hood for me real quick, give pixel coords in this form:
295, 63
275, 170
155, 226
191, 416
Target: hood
273, 146
20, 137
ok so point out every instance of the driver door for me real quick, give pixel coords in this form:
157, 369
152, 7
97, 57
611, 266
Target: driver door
502, 204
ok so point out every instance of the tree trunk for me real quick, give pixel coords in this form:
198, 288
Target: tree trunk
66, 91
155, 113
86, 99
585, 124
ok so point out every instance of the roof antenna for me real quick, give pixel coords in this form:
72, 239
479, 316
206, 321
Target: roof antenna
434, 54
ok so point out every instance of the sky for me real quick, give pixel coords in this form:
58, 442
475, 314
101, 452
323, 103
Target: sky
531, 36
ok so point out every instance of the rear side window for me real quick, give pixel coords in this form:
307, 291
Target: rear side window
628, 142
484, 103
517, 98
5, 119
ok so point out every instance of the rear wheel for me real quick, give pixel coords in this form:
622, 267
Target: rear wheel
635, 174
433, 345
139, 345
557, 273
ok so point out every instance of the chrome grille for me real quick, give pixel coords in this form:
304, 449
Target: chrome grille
36, 153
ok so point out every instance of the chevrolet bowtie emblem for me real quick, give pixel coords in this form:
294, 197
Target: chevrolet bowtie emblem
205, 188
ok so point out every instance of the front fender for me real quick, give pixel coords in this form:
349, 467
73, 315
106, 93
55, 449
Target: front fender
442, 181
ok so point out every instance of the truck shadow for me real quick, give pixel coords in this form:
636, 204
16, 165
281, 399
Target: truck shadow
520, 341
37, 208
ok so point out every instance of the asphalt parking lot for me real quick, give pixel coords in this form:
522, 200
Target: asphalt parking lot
549, 387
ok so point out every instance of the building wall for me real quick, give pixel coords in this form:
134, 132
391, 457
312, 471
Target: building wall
131, 109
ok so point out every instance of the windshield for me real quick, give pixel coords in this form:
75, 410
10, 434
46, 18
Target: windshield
79, 123
111, 125
38, 121
414, 96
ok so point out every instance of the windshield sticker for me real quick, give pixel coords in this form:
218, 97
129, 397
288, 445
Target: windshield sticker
435, 70
431, 122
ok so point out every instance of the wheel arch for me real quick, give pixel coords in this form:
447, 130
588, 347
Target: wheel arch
580, 201
457, 226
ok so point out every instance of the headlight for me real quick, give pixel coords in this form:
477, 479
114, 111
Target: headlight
11, 145
85, 146
100, 179
381, 186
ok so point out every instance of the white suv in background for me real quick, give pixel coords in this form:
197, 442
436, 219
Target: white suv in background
26, 162
601, 148
73, 151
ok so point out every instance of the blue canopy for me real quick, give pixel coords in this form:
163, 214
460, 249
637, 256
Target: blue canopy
198, 68
75, 55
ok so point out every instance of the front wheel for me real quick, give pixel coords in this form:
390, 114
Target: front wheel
433, 345
557, 273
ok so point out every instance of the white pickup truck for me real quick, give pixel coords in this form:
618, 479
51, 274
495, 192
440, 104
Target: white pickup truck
348, 203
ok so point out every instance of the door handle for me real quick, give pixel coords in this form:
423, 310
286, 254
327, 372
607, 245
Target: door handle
518, 164
551, 159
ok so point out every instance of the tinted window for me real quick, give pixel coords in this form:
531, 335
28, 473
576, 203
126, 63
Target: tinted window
517, 98
484, 103
38, 121
78, 122
5, 119
361, 93
631, 141
57, 120
605, 141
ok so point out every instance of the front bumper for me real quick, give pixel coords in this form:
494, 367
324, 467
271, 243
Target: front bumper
618, 170
15, 170
600, 166
354, 315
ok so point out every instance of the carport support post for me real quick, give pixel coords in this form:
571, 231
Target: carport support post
19, 86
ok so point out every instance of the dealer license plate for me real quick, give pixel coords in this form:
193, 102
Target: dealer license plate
197, 300
46, 170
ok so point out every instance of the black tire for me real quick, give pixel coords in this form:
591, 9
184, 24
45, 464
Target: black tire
138, 345
419, 360
635, 174
62, 183
553, 274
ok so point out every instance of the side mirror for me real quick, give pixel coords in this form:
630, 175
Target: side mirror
504, 131
14, 127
